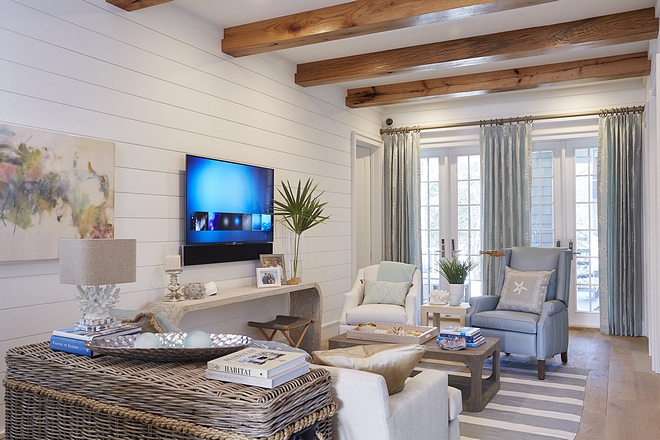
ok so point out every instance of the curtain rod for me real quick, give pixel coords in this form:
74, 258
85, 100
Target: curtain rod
638, 109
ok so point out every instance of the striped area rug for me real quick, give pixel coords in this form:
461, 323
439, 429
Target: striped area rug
525, 407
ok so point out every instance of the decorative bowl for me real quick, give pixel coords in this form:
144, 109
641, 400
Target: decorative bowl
453, 344
171, 347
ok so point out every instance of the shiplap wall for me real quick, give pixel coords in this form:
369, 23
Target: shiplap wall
156, 84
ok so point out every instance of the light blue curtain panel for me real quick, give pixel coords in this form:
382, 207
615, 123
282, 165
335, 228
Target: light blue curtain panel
620, 221
506, 176
402, 200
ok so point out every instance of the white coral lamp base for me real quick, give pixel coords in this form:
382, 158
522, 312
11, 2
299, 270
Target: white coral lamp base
95, 302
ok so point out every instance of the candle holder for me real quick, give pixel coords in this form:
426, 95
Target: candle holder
174, 286
172, 267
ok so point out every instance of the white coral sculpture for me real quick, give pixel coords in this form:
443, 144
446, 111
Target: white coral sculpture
95, 302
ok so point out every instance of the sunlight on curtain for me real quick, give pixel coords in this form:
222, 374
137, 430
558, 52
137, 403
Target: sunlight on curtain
620, 222
402, 199
506, 176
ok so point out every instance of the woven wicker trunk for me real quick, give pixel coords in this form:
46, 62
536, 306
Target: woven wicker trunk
57, 395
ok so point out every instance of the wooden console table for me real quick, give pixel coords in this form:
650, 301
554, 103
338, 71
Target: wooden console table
304, 300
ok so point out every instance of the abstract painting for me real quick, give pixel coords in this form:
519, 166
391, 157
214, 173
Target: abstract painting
52, 186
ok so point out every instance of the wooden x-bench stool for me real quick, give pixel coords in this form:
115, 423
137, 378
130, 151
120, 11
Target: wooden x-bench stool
283, 324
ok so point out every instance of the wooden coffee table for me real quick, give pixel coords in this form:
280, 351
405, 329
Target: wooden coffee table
477, 391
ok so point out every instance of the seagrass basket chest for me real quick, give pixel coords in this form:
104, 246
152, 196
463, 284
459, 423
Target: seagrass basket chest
56, 395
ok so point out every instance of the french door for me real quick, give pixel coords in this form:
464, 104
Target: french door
564, 213
451, 213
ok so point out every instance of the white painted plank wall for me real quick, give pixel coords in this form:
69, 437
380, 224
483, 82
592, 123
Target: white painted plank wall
156, 83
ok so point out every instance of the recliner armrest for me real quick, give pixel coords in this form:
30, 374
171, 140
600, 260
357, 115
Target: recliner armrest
550, 308
483, 303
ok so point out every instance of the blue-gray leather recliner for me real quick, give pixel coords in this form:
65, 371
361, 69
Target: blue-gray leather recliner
542, 335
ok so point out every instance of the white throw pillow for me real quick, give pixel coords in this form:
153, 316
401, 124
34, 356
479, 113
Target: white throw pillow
524, 291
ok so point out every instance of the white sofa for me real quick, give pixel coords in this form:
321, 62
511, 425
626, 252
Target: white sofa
427, 408
354, 312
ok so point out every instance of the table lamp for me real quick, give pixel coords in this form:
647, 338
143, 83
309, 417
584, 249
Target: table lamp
93, 263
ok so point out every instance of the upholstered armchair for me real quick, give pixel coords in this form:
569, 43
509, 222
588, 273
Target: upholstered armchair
426, 408
356, 312
542, 331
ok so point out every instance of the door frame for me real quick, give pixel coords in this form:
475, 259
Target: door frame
376, 188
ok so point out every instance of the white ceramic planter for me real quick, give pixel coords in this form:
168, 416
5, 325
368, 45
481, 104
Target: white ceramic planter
456, 294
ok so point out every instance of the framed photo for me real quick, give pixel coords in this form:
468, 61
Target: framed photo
273, 260
269, 277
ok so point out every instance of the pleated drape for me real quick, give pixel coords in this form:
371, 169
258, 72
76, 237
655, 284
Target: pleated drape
506, 179
620, 222
402, 227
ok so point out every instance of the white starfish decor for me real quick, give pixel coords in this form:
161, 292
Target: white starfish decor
519, 287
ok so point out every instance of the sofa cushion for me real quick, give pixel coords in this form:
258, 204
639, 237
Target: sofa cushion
376, 313
392, 361
395, 272
524, 291
519, 322
385, 292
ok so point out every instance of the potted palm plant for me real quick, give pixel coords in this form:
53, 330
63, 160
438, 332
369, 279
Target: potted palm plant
300, 210
455, 271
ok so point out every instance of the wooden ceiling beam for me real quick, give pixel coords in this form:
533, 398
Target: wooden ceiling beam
134, 5
615, 67
625, 27
360, 17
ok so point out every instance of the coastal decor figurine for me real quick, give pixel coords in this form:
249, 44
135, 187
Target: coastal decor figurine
455, 271
193, 291
300, 210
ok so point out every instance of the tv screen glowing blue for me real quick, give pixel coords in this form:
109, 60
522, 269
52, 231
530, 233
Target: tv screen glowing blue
227, 202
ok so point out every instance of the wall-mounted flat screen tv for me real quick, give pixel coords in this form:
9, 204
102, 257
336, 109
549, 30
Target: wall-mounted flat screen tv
227, 202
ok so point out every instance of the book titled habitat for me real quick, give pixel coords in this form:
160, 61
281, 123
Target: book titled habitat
256, 362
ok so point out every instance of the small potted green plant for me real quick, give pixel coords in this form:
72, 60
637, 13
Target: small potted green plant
300, 210
455, 271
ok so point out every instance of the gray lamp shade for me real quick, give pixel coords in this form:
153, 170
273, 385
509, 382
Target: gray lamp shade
92, 262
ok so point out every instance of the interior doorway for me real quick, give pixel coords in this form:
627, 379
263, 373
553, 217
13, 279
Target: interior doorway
367, 206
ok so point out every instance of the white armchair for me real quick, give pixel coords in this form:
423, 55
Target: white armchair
354, 312
426, 408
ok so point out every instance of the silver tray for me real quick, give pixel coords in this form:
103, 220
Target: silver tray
171, 347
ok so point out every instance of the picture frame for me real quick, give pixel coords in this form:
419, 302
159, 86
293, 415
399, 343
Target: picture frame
273, 260
269, 277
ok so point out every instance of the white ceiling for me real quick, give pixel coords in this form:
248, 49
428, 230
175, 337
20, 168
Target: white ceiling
226, 13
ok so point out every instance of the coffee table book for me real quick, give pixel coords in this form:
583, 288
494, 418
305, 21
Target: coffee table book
457, 330
69, 345
263, 382
84, 335
256, 362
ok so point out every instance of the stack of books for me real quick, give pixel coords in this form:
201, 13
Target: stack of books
472, 335
258, 367
72, 340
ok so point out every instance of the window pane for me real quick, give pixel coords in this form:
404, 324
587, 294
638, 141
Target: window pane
463, 217
542, 215
434, 194
462, 168
463, 194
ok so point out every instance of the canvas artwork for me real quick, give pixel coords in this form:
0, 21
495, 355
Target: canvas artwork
52, 186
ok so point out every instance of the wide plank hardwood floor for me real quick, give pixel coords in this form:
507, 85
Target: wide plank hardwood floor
622, 399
